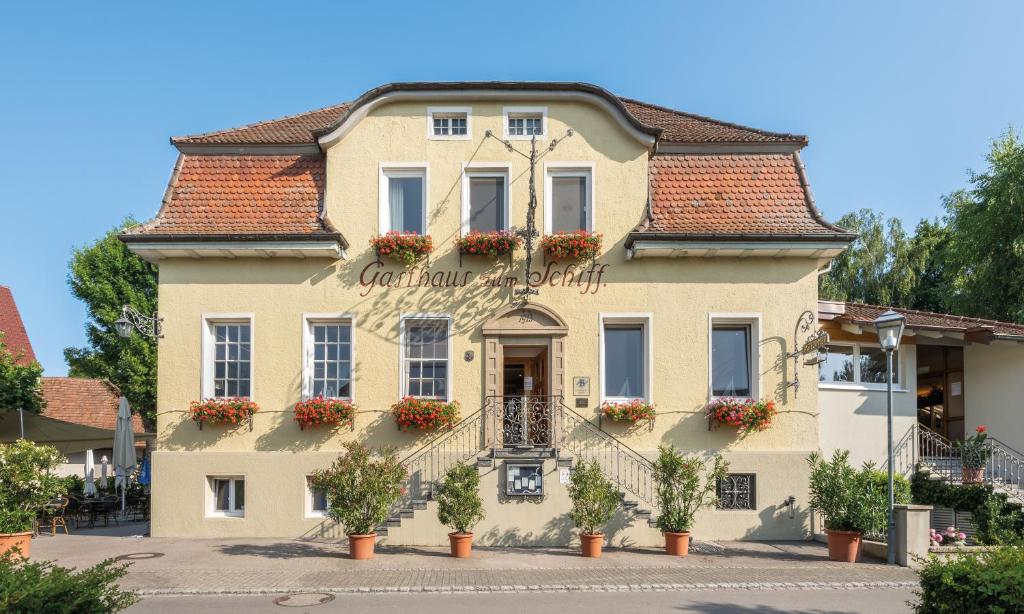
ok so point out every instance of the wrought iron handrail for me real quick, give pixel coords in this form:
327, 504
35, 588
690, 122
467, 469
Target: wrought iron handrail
629, 470
1004, 468
427, 465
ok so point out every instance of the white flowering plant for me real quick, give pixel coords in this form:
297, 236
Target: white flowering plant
27, 483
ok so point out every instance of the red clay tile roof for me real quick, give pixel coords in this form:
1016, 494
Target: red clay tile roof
242, 195
89, 402
732, 194
860, 313
681, 127
675, 126
15, 336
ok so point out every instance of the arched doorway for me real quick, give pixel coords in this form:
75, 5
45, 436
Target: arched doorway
524, 373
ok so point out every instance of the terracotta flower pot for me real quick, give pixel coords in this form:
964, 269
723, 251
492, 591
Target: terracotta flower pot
677, 544
973, 475
23, 541
462, 544
360, 547
843, 546
591, 544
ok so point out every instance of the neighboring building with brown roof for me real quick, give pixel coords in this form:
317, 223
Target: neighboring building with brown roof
89, 402
15, 337
278, 282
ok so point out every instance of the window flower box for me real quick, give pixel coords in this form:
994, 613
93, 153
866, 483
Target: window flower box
629, 411
233, 411
743, 414
576, 246
406, 248
494, 244
424, 414
318, 410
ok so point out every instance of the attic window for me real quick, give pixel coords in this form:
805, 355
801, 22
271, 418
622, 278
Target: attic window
448, 123
525, 122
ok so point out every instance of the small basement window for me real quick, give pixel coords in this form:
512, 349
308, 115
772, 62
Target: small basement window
228, 496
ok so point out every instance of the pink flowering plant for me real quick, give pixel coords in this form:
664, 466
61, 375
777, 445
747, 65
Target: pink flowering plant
629, 411
743, 414
581, 245
494, 244
405, 247
974, 451
951, 537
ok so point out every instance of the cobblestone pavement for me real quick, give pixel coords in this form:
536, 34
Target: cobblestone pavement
221, 566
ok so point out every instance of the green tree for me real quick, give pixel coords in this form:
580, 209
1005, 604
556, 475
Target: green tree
986, 242
105, 276
928, 259
20, 386
875, 269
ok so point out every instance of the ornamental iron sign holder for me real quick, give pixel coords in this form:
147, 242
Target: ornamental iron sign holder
807, 340
529, 233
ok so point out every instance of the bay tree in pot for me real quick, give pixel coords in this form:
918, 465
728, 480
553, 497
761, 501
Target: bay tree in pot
459, 506
360, 491
840, 495
27, 484
685, 485
594, 500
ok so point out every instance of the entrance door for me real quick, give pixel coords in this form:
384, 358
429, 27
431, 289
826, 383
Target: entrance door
526, 416
940, 389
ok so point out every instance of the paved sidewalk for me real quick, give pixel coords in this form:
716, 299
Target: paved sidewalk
263, 566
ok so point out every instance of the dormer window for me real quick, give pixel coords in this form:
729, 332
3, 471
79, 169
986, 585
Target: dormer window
525, 122
448, 123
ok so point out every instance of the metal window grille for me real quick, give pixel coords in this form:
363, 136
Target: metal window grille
737, 491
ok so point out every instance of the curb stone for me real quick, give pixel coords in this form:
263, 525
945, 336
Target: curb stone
718, 586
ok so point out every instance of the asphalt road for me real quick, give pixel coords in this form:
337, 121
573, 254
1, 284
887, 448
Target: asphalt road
820, 601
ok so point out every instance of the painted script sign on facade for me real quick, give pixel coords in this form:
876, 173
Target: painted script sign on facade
374, 276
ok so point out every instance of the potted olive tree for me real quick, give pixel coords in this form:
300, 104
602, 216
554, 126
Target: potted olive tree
27, 484
840, 495
459, 506
685, 484
594, 500
360, 491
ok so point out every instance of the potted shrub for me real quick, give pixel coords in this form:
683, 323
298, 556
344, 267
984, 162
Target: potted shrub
493, 244
629, 411
26, 486
319, 410
974, 453
233, 410
459, 506
746, 415
360, 491
685, 484
423, 414
575, 246
594, 500
404, 247
845, 499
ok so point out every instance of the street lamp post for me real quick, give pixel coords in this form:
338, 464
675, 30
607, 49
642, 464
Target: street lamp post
890, 329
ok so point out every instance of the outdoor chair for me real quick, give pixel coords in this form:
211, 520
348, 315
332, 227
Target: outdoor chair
56, 512
108, 508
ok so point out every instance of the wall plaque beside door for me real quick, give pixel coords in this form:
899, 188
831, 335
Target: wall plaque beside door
581, 386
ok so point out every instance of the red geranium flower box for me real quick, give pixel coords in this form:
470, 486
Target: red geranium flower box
405, 247
494, 244
743, 414
319, 410
233, 410
629, 411
423, 414
577, 246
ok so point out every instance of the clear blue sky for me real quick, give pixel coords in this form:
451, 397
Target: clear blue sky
899, 99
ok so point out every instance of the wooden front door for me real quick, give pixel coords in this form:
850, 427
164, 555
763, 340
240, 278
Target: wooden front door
526, 419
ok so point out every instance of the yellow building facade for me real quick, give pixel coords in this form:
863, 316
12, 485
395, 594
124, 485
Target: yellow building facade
269, 289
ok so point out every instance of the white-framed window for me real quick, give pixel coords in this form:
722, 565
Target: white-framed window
523, 123
485, 205
227, 355
227, 496
449, 123
733, 348
403, 197
426, 356
626, 356
316, 500
568, 197
329, 355
857, 365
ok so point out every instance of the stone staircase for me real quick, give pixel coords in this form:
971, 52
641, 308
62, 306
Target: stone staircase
1004, 470
476, 438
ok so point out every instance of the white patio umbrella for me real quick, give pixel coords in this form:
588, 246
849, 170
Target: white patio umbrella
124, 449
90, 468
103, 471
